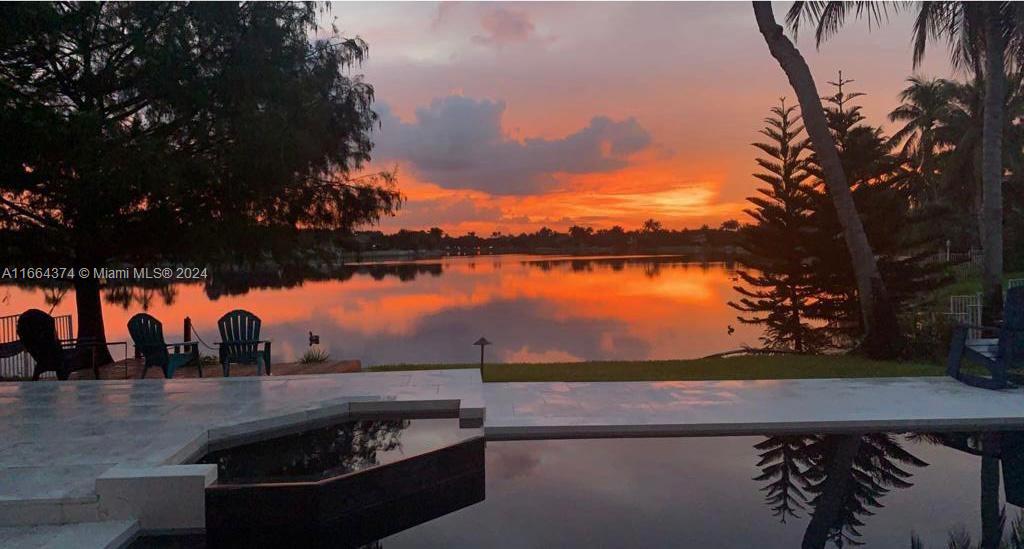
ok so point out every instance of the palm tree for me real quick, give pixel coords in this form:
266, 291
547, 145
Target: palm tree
882, 335
978, 35
924, 108
959, 141
652, 226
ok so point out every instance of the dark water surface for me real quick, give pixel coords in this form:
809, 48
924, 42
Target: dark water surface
875, 489
702, 492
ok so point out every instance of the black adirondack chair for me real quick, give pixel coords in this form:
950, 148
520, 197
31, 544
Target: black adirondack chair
38, 334
240, 342
1000, 355
148, 335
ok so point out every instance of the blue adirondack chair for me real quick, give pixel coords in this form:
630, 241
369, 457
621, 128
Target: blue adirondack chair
240, 342
148, 335
1000, 354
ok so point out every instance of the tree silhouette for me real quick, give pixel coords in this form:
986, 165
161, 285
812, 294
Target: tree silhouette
841, 478
652, 226
168, 132
924, 108
882, 338
882, 184
778, 291
979, 36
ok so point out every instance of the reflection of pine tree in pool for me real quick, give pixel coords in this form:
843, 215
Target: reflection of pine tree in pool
333, 450
838, 479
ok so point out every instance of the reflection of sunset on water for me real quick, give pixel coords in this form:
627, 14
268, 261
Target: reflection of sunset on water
535, 309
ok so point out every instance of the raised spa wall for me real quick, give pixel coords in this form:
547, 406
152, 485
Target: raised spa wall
172, 499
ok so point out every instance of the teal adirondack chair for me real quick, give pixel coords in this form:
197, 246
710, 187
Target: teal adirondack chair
240, 342
148, 335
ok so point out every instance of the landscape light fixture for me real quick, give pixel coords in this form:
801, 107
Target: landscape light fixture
482, 342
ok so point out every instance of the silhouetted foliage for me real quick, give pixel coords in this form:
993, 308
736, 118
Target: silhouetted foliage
145, 132
328, 451
651, 237
839, 479
941, 132
779, 292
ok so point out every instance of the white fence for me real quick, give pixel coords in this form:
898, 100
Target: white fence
966, 309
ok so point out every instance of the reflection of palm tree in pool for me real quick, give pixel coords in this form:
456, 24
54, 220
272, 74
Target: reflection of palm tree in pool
840, 478
992, 534
991, 448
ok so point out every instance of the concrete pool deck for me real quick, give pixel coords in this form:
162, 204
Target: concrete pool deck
117, 453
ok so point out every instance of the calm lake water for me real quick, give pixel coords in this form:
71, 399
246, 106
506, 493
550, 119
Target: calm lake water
534, 309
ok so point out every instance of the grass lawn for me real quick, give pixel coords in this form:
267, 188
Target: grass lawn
741, 367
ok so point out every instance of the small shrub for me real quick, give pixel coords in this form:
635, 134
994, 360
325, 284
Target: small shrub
314, 355
927, 337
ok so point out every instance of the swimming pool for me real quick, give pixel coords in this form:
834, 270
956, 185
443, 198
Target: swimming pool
773, 492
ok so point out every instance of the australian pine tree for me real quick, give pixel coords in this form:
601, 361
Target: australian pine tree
777, 292
882, 182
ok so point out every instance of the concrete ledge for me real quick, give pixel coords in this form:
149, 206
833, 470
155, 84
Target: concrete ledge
582, 430
48, 511
102, 535
165, 499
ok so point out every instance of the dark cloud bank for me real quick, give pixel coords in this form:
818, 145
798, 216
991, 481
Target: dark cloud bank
457, 143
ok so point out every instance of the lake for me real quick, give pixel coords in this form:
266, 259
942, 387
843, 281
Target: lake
533, 308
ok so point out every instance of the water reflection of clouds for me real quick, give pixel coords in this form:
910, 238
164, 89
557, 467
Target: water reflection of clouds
535, 310
684, 492
447, 335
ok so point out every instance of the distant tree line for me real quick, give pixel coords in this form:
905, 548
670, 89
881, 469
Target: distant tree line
652, 236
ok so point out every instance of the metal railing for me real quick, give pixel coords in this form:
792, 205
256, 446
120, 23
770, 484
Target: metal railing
966, 309
15, 362
963, 264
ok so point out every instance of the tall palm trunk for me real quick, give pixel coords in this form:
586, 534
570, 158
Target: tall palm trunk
835, 490
992, 167
882, 336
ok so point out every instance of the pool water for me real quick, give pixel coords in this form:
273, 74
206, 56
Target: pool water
880, 490
714, 492
334, 450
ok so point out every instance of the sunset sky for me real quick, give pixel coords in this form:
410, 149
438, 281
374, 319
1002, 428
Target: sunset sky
508, 116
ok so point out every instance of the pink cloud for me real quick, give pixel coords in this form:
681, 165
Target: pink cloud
502, 26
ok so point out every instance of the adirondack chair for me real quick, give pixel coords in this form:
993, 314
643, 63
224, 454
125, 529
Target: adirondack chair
38, 334
1000, 354
240, 342
148, 335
